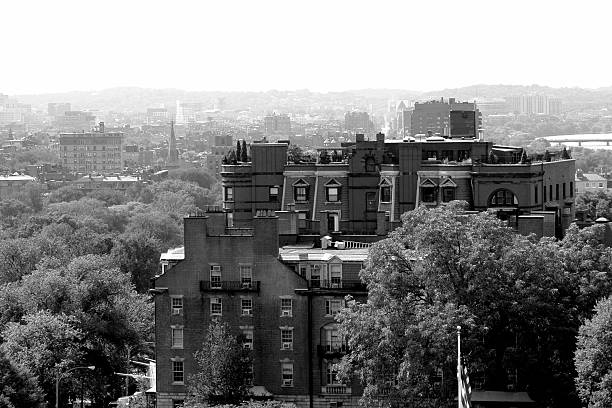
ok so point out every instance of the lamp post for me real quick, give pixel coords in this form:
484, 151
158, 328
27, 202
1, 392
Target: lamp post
59, 376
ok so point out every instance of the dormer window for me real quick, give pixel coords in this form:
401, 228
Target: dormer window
332, 191
300, 191
385, 191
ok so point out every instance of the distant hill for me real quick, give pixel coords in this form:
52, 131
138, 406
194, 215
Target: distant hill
133, 99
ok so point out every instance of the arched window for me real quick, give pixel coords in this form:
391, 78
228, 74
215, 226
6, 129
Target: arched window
502, 198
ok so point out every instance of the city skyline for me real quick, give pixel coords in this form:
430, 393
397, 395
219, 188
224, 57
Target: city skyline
259, 46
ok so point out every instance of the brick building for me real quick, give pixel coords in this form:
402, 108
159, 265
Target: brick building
281, 298
364, 187
96, 151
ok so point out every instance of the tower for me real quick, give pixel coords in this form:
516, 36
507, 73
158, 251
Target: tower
172, 151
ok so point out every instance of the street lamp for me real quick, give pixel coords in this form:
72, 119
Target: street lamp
59, 376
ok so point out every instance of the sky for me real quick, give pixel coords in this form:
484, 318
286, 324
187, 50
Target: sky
330, 45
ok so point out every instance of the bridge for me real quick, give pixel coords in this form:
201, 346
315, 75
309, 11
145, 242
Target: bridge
601, 139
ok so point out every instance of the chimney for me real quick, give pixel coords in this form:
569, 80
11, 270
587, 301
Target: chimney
101, 127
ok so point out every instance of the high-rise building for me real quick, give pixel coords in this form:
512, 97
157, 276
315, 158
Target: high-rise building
75, 121
358, 122
277, 125
157, 116
450, 119
534, 105
97, 151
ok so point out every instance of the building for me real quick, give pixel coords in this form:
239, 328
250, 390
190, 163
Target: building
589, 182
534, 105
358, 122
97, 151
157, 116
404, 119
58, 108
277, 261
75, 121
13, 183
451, 119
277, 125
365, 186
281, 298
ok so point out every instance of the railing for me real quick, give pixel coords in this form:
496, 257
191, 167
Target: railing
332, 348
229, 286
336, 389
336, 284
356, 245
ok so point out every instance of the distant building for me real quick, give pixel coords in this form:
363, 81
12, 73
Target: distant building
534, 105
58, 108
157, 116
221, 146
13, 183
75, 121
589, 182
449, 119
277, 125
186, 112
404, 119
96, 151
358, 122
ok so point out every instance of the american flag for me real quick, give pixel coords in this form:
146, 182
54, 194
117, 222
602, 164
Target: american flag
465, 393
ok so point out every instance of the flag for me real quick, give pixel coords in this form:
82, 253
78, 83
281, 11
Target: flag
465, 393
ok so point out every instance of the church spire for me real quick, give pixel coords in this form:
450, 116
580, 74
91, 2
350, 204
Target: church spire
172, 151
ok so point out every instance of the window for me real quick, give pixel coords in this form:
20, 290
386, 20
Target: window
273, 194
300, 191
335, 275
600, 185
564, 191
246, 276
215, 276
428, 194
332, 374
430, 154
247, 339
370, 164
571, 188
502, 198
385, 193
249, 375
177, 336
557, 191
536, 194
178, 403
246, 305
550, 193
332, 194
333, 343
315, 276
287, 338
176, 305
216, 306
448, 194
371, 203
302, 216
287, 374
177, 371
333, 306
286, 307
229, 193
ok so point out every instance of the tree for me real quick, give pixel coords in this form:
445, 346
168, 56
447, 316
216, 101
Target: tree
594, 358
519, 300
18, 387
224, 368
66, 193
137, 254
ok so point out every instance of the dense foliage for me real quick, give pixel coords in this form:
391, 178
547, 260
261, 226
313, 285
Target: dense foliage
594, 358
74, 271
519, 300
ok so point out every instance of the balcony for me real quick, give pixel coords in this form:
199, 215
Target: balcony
336, 390
229, 286
332, 349
343, 284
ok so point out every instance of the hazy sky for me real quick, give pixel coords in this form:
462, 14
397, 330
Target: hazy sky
59, 45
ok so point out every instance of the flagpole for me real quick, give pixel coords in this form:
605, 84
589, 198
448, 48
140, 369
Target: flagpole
459, 405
